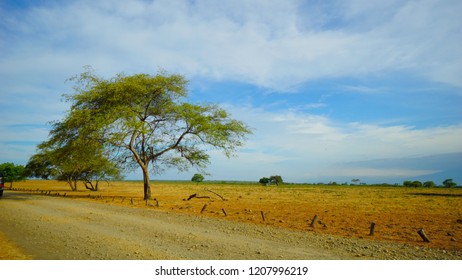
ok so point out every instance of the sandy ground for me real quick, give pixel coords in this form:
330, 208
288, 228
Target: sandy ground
44, 227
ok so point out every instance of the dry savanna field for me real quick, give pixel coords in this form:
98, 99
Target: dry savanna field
398, 212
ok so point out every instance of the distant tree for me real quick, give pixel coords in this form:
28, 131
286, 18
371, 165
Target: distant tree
197, 178
429, 184
12, 173
355, 181
275, 179
448, 183
416, 184
407, 184
264, 181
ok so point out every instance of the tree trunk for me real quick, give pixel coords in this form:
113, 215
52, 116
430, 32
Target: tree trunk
147, 186
89, 185
75, 185
72, 183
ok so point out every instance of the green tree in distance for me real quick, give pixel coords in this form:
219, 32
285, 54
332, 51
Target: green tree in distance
264, 181
448, 183
407, 183
197, 178
416, 184
144, 121
12, 173
276, 179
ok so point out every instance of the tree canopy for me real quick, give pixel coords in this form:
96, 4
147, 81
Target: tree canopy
12, 173
272, 180
448, 183
145, 121
197, 178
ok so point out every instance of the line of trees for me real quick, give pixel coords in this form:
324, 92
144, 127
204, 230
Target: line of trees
448, 183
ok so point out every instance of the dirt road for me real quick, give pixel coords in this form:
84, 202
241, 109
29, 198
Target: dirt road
47, 227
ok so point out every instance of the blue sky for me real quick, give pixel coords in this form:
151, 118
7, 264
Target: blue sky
334, 90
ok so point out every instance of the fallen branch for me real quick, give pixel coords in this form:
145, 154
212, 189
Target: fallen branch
222, 198
196, 196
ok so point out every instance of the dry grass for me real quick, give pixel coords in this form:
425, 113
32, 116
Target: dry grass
341, 210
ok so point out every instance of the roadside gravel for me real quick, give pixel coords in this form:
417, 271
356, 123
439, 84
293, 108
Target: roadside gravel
47, 227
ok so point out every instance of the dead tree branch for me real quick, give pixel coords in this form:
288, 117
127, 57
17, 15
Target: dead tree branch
196, 196
222, 198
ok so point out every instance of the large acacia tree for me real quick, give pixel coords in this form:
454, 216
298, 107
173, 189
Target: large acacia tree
145, 121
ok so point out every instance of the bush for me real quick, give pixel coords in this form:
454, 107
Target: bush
197, 178
264, 181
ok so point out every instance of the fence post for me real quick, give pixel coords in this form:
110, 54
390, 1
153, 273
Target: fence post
371, 233
313, 221
203, 208
423, 235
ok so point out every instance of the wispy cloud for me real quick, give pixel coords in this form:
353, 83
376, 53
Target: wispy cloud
361, 89
277, 46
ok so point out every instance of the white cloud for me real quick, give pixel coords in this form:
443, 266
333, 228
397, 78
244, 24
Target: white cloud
268, 44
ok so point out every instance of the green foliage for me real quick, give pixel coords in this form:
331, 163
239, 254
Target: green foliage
39, 166
272, 180
276, 179
144, 121
74, 161
70, 157
407, 184
417, 184
12, 173
412, 184
429, 184
198, 178
264, 181
448, 183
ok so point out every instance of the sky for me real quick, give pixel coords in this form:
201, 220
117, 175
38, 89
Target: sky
333, 90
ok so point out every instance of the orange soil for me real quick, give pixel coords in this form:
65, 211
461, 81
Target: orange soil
341, 210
